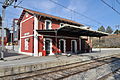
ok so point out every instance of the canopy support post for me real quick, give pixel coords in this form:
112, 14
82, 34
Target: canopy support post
56, 44
99, 45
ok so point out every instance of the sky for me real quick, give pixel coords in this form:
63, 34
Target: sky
94, 9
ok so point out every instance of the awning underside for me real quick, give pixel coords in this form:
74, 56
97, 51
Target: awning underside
75, 31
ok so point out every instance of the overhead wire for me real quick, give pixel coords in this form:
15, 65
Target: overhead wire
118, 2
16, 6
77, 12
111, 7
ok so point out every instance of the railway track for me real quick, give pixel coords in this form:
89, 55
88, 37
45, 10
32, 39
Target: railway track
64, 71
115, 75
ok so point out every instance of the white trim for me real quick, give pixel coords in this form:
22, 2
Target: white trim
50, 27
27, 19
27, 53
60, 36
60, 24
35, 36
64, 44
20, 36
75, 45
27, 36
50, 45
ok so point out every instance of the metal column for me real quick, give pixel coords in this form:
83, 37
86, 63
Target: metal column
2, 32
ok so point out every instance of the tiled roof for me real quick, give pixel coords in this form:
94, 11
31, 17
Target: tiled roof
51, 16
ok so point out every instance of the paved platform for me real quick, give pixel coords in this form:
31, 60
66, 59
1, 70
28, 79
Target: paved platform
19, 59
22, 63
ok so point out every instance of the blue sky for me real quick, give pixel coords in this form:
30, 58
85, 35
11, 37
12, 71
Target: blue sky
94, 9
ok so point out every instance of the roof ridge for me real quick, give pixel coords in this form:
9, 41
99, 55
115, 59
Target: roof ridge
50, 15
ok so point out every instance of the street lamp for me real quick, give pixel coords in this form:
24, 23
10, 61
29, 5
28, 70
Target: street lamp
6, 4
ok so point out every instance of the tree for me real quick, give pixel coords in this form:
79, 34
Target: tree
109, 30
117, 31
101, 29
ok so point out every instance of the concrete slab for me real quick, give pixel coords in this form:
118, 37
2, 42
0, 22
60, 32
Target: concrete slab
23, 63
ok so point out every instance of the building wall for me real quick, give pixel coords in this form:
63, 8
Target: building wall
26, 16
27, 32
40, 44
26, 29
54, 48
30, 45
55, 23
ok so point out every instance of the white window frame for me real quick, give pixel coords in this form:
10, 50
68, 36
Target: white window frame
64, 44
50, 27
26, 15
26, 44
75, 45
60, 24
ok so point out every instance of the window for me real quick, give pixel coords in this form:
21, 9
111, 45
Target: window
61, 24
26, 14
62, 45
47, 24
26, 43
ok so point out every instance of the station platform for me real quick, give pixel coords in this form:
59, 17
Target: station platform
20, 59
23, 63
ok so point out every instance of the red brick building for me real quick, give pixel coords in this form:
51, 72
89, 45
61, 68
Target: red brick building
43, 34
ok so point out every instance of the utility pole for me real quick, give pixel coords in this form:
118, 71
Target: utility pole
2, 32
6, 4
12, 40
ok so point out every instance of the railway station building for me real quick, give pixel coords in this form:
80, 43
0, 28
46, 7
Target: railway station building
43, 34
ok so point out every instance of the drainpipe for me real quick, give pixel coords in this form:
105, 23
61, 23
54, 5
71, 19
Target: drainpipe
56, 40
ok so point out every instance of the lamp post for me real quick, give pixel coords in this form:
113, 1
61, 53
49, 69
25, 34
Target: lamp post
6, 4
2, 32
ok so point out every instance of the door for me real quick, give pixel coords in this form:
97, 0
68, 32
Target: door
74, 46
47, 47
62, 46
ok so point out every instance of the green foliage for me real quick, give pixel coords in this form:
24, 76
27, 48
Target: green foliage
101, 29
117, 31
109, 30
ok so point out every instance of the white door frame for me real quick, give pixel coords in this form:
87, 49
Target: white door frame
64, 44
75, 45
50, 45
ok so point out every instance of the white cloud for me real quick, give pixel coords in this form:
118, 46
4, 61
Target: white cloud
78, 5
40, 5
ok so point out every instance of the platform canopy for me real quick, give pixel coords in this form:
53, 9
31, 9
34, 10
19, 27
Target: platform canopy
75, 31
